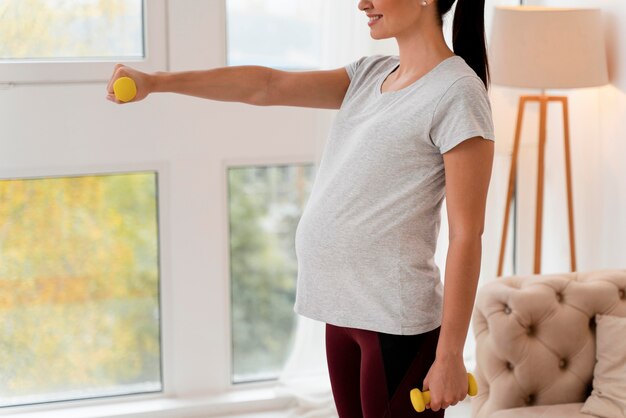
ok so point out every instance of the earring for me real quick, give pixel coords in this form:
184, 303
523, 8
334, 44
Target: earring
424, 3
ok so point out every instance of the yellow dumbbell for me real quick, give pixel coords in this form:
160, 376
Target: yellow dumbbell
421, 399
124, 89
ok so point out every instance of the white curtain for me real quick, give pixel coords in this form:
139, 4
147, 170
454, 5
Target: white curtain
305, 375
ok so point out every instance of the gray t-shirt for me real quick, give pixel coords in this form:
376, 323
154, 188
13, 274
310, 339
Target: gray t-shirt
366, 240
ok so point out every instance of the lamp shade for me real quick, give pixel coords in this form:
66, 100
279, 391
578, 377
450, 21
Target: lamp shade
547, 47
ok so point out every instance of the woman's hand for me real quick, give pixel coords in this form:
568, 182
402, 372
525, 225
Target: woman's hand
447, 382
143, 81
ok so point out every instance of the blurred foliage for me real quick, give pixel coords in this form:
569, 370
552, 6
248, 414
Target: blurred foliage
79, 285
265, 205
70, 28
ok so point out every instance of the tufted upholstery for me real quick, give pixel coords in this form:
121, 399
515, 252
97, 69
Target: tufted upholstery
561, 410
535, 340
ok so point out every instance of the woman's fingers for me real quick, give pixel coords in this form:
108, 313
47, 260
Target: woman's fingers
114, 77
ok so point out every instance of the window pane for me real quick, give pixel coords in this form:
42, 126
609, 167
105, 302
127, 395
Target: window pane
265, 204
45, 29
79, 288
274, 33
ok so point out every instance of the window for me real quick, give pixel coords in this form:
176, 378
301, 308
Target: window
265, 205
275, 33
62, 29
79, 288
48, 41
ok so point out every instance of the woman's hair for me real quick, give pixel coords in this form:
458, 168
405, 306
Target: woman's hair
468, 33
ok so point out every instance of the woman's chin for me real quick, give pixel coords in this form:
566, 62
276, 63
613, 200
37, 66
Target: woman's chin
377, 36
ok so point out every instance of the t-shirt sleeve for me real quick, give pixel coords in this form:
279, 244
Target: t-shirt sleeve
463, 112
353, 67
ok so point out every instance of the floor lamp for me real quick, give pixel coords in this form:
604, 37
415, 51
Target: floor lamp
545, 48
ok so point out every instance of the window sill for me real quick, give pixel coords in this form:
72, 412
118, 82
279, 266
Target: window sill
235, 402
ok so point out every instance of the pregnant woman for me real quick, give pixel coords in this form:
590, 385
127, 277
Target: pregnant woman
411, 129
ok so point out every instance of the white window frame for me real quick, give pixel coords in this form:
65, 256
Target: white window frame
239, 163
162, 170
52, 71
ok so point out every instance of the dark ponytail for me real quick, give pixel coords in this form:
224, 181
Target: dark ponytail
468, 34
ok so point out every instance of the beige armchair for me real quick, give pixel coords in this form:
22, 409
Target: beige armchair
535, 341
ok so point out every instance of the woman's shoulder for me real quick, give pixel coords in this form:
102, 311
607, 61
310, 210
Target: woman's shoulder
460, 73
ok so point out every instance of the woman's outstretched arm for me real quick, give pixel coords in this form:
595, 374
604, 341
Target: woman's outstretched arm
251, 84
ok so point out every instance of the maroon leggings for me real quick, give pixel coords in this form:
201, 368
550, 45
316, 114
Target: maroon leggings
372, 373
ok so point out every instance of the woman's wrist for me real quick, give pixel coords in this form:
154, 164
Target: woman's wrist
444, 354
157, 82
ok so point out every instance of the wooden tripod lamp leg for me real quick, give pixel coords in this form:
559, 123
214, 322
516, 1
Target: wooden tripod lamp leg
540, 174
568, 178
512, 174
